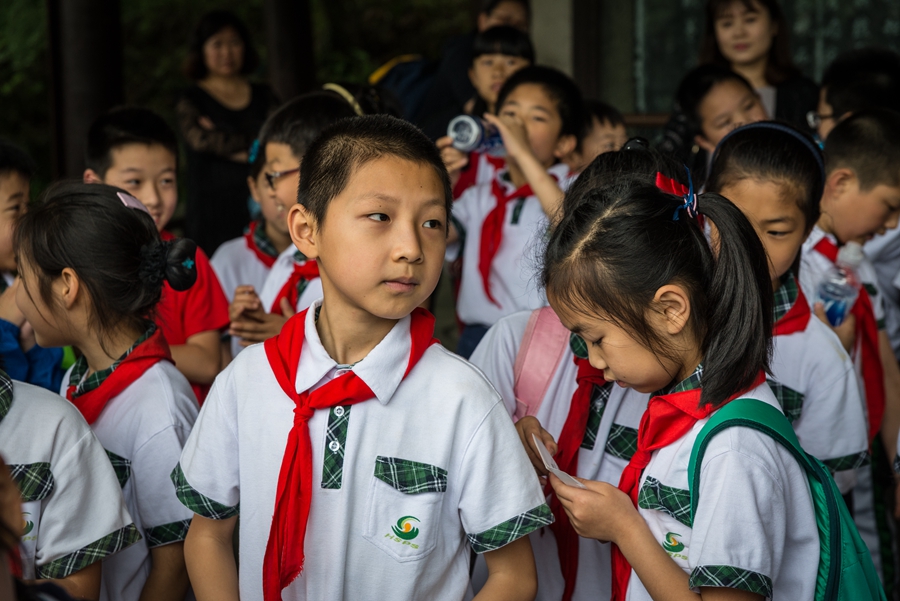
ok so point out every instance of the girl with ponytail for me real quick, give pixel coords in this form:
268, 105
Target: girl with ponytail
668, 310
93, 268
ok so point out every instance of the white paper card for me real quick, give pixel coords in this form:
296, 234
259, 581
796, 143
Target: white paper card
552, 466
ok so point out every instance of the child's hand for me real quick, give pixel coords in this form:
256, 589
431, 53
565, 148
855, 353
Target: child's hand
245, 300
526, 427
515, 136
9, 311
846, 331
602, 512
259, 326
454, 160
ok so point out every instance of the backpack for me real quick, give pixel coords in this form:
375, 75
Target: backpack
407, 78
846, 571
543, 345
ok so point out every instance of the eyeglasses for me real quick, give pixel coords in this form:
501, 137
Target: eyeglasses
814, 119
276, 175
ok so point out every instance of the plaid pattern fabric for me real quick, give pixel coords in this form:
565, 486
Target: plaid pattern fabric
335, 436
158, 536
790, 400
262, 240
93, 381
197, 502
299, 257
674, 501
410, 477
517, 211
34, 480
599, 398
731, 577
622, 441
786, 295
6, 395
94, 552
689, 383
578, 346
849, 462
122, 467
510, 530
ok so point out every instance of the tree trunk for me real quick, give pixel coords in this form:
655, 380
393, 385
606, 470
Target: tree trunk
292, 66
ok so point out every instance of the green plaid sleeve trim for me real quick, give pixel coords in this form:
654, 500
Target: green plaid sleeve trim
731, 577
410, 477
335, 440
871, 289
94, 552
175, 532
674, 501
511, 530
35, 480
785, 296
197, 502
622, 441
790, 400
847, 462
6, 387
599, 398
122, 467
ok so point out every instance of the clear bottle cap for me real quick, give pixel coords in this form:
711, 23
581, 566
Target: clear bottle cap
851, 254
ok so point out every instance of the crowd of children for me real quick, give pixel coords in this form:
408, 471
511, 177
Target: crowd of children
642, 353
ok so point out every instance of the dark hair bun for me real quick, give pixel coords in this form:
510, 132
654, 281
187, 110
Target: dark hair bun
181, 263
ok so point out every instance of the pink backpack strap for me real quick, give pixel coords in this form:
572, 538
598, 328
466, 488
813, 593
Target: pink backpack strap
543, 345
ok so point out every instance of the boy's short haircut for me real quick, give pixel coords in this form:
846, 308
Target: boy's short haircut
503, 40
864, 78
351, 143
697, 84
560, 88
300, 121
121, 126
15, 160
868, 142
603, 113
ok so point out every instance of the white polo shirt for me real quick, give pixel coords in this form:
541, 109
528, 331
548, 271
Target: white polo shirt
609, 443
884, 252
443, 420
513, 277
73, 511
755, 526
236, 265
278, 276
143, 430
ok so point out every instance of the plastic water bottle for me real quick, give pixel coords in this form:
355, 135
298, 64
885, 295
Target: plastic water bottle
471, 134
840, 287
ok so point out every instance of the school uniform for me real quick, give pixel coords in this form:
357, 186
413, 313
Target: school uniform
815, 382
481, 170
609, 441
403, 484
754, 528
202, 307
291, 270
72, 507
143, 429
884, 253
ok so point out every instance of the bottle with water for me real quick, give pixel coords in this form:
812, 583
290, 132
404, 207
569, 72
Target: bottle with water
841, 285
471, 134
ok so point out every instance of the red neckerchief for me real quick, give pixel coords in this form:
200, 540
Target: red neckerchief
284, 556
796, 319
568, 445
867, 335
267, 259
146, 355
668, 418
492, 231
306, 271
469, 175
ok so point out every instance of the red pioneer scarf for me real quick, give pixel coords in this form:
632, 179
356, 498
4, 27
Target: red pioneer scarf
284, 556
569, 443
146, 355
796, 319
267, 259
306, 271
867, 335
668, 418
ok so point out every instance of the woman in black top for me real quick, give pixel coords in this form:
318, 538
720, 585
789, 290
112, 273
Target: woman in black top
219, 117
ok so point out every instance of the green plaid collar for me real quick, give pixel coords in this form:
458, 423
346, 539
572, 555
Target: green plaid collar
92, 382
6, 395
785, 295
262, 240
692, 382
299, 257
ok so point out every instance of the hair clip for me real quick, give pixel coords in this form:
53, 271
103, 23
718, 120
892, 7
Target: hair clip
131, 202
253, 153
670, 186
690, 199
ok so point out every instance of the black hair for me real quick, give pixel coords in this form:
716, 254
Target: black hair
503, 40
603, 113
864, 78
300, 121
868, 142
209, 25
488, 6
350, 143
697, 84
15, 160
115, 250
621, 244
560, 88
121, 126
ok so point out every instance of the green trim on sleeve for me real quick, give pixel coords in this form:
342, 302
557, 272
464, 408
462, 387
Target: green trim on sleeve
847, 462
175, 532
675, 502
791, 401
731, 577
410, 477
122, 467
198, 502
35, 480
511, 530
94, 552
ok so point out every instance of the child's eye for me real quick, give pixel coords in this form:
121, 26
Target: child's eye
508, 113
778, 234
133, 182
169, 181
597, 342
433, 224
378, 217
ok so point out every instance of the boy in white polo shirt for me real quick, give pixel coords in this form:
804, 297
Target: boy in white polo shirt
410, 455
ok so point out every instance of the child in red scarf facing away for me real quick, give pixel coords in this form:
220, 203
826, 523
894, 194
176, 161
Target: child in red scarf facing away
92, 267
364, 459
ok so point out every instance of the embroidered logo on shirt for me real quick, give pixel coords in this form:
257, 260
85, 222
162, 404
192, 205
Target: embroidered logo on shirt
404, 528
672, 544
28, 526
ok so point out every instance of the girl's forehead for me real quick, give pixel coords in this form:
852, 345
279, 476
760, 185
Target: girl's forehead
737, 7
531, 94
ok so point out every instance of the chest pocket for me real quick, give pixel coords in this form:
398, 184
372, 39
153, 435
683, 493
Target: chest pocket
405, 507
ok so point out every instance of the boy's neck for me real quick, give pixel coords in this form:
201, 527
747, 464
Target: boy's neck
279, 240
350, 333
115, 346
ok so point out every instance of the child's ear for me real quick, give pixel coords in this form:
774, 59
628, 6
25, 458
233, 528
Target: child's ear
701, 141
839, 182
673, 308
564, 146
251, 185
67, 288
302, 226
90, 177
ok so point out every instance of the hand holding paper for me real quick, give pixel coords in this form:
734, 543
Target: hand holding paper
552, 466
